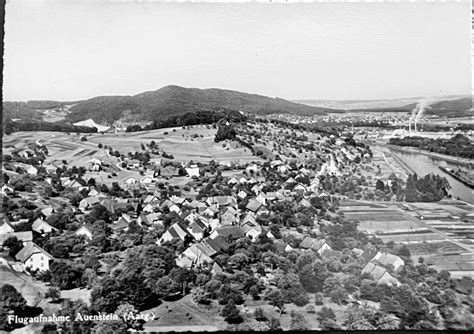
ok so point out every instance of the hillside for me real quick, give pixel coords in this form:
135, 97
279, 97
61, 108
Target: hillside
174, 100
446, 106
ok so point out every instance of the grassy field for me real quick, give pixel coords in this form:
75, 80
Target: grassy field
196, 143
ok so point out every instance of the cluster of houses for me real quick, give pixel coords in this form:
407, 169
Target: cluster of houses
205, 224
31, 255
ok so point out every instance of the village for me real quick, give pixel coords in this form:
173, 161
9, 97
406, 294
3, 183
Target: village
273, 228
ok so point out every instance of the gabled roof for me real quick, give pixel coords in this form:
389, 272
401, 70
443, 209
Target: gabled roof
40, 222
197, 226
28, 250
253, 205
221, 200
47, 211
6, 221
312, 243
386, 258
374, 270
177, 230
234, 231
217, 244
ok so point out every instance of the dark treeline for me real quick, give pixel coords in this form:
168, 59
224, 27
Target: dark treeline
192, 118
458, 145
12, 126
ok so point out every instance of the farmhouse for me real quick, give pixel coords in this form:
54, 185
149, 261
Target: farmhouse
379, 274
389, 259
34, 257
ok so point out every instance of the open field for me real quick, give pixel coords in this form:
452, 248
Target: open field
196, 143
185, 315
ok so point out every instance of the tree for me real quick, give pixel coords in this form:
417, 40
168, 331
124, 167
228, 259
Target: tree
326, 318
14, 245
274, 324
379, 185
231, 313
298, 322
259, 315
132, 319
10, 301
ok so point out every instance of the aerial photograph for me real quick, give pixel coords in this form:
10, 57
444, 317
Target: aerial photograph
237, 166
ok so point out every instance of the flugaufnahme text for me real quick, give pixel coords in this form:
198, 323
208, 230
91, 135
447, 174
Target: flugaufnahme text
60, 318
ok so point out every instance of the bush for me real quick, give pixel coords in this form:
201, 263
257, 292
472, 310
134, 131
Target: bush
83, 138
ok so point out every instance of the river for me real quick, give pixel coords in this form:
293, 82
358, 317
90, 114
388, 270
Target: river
422, 164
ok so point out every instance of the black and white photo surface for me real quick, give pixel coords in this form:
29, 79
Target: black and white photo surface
236, 166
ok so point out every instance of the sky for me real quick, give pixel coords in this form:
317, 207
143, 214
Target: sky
68, 51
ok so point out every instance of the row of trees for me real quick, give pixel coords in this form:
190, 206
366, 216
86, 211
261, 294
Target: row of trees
458, 145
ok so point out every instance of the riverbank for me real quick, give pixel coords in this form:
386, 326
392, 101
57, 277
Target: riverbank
458, 177
456, 160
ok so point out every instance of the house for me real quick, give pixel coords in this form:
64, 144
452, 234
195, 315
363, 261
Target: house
197, 229
228, 218
150, 207
130, 181
379, 274
317, 245
177, 200
192, 171
42, 227
248, 218
242, 194
177, 231
85, 230
88, 202
151, 199
243, 180
122, 223
299, 189
234, 232
174, 208
34, 257
262, 198
256, 189
72, 184
252, 231
149, 219
216, 269
93, 193
304, 203
147, 179
221, 201
197, 253
216, 244
232, 181
5, 226
389, 259
253, 205
200, 206
210, 211
48, 211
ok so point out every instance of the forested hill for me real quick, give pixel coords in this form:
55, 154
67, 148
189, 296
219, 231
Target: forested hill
174, 100
446, 108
